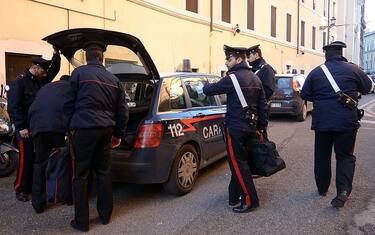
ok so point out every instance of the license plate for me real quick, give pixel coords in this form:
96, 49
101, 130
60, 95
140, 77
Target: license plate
275, 105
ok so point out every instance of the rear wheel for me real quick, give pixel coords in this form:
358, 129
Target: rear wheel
184, 171
303, 114
8, 163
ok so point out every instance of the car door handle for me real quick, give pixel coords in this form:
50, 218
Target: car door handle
200, 115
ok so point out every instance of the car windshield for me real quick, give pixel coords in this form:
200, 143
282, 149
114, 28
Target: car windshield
283, 83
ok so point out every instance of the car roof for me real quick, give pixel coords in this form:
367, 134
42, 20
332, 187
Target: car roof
186, 74
290, 75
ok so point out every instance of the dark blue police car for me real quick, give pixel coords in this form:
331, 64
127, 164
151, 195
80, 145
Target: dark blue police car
173, 129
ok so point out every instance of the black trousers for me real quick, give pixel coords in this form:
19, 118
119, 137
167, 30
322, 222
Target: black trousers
43, 144
24, 179
241, 183
343, 144
91, 151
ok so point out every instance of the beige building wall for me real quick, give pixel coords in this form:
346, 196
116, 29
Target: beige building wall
169, 32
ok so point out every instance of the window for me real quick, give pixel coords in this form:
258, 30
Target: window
192, 5
171, 95
225, 10
222, 97
288, 27
250, 14
324, 38
273, 21
303, 33
194, 87
313, 38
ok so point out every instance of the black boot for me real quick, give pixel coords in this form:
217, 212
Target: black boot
243, 208
79, 227
340, 199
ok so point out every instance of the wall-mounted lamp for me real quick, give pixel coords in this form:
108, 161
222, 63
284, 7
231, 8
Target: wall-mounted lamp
332, 22
236, 29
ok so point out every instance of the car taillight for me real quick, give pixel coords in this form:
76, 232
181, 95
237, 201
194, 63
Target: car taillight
149, 136
295, 85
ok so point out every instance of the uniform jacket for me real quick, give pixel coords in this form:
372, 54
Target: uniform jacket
266, 75
23, 91
99, 99
253, 92
48, 112
328, 113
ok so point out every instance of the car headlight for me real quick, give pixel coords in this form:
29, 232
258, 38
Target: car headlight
4, 126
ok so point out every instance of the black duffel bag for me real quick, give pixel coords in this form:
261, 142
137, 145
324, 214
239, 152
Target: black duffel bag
264, 159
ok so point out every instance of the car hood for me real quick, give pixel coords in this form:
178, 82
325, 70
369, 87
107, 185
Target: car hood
71, 40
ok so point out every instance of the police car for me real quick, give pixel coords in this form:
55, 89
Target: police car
173, 129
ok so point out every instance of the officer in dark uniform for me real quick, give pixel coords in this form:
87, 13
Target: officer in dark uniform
49, 125
20, 96
264, 71
334, 123
240, 127
97, 124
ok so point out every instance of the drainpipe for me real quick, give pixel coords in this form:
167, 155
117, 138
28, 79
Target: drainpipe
298, 25
211, 30
328, 21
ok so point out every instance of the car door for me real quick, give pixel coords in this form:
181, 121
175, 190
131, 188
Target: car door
207, 117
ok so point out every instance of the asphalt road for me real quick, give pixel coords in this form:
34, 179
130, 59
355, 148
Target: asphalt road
289, 203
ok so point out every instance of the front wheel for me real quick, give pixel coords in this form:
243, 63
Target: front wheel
8, 163
184, 171
303, 114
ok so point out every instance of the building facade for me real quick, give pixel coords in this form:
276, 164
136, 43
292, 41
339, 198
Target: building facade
173, 31
369, 53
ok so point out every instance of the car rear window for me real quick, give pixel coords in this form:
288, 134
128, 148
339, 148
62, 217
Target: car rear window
283, 83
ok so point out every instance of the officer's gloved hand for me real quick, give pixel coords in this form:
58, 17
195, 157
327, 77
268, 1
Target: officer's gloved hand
115, 142
24, 133
262, 133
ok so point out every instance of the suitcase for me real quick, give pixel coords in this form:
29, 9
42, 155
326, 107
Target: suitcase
59, 176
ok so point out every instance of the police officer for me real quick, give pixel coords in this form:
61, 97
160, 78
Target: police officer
20, 96
97, 124
264, 71
239, 129
334, 123
49, 125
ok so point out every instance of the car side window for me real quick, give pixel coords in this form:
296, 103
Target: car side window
222, 97
171, 95
194, 87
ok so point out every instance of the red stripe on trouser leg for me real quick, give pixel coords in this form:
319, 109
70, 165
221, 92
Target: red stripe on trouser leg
237, 170
20, 169
73, 169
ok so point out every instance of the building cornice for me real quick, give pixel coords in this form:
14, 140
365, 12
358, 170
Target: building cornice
218, 25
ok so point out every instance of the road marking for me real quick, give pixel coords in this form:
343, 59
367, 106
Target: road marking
368, 121
366, 104
367, 128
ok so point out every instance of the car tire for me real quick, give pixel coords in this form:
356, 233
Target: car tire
8, 163
303, 114
184, 171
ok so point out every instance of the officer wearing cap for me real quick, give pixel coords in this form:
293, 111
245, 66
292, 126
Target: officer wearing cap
239, 131
48, 123
334, 123
97, 124
20, 96
264, 71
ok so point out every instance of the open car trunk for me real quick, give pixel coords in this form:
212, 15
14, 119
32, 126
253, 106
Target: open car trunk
139, 95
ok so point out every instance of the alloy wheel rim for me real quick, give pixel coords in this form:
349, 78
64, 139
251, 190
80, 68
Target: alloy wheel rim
187, 169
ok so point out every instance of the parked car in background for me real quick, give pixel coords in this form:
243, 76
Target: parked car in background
173, 129
287, 96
